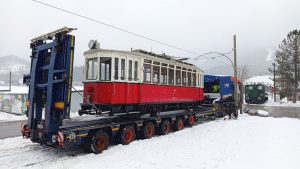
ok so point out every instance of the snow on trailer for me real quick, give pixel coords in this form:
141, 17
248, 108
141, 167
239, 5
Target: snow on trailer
175, 102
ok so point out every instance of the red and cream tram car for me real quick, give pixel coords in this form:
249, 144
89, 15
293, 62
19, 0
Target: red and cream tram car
126, 81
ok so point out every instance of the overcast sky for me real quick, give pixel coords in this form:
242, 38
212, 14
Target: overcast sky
195, 25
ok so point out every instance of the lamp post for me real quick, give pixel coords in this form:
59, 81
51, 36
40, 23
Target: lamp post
234, 66
274, 82
235, 72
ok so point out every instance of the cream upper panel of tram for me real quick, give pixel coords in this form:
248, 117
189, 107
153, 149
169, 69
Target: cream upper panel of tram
139, 57
107, 52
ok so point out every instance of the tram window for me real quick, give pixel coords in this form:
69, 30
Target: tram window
194, 79
105, 68
156, 63
171, 76
122, 69
163, 75
178, 77
155, 77
130, 70
147, 73
184, 78
147, 61
189, 78
136, 70
116, 76
200, 80
92, 71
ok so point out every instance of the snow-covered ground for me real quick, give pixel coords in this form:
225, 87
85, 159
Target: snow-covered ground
15, 89
263, 113
24, 89
250, 143
11, 117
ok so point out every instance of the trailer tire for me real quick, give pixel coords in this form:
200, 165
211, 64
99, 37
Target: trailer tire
127, 135
165, 127
190, 120
99, 142
148, 130
179, 124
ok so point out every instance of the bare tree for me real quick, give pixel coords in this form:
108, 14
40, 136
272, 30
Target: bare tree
243, 72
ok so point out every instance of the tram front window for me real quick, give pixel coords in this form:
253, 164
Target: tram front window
105, 68
92, 69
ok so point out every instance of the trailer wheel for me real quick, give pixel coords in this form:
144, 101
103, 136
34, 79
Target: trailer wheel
127, 135
179, 124
165, 127
190, 120
148, 130
99, 142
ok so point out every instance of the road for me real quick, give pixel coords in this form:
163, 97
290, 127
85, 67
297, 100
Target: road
278, 111
11, 128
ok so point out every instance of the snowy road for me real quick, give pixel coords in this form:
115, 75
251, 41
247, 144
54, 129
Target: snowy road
11, 128
250, 142
278, 111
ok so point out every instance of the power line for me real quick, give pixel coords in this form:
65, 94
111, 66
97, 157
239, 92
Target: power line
114, 27
126, 31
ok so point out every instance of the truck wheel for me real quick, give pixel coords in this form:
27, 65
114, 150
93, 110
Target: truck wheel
127, 135
99, 142
190, 120
179, 124
148, 130
165, 127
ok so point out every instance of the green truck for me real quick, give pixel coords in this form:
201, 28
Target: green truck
255, 94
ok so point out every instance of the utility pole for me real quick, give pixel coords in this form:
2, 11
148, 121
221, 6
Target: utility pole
274, 81
235, 73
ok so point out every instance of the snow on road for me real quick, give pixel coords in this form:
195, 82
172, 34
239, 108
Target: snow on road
263, 113
249, 143
11, 117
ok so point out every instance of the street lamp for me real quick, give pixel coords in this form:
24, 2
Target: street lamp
234, 66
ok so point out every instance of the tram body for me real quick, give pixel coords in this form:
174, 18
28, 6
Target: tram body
124, 81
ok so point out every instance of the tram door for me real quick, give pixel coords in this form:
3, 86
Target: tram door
132, 86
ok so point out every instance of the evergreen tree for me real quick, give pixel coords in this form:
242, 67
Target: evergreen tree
287, 61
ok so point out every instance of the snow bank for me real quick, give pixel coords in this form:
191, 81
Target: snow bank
11, 117
15, 89
263, 113
249, 143
24, 89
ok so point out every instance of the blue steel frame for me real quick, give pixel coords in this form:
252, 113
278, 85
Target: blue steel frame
49, 81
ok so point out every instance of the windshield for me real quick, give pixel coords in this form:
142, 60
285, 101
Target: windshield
260, 87
105, 68
211, 87
92, 67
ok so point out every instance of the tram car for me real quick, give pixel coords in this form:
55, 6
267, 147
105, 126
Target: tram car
255, 94
138, 81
